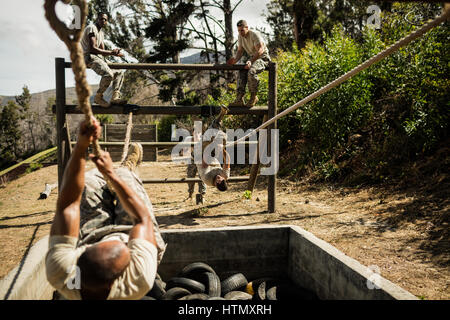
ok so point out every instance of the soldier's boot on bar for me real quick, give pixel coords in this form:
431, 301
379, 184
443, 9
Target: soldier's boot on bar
98, 99
117, 99
253, 100
223, 111
239, 101
134, 156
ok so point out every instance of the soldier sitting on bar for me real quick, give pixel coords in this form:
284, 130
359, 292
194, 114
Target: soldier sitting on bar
94, 52
250, 45
210, 170
104, 241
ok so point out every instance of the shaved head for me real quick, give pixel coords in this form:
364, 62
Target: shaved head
102, 263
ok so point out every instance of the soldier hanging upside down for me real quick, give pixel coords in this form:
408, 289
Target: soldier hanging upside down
211, 172
94, 52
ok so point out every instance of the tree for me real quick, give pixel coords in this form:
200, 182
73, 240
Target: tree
28, 116
10, 133
309, 20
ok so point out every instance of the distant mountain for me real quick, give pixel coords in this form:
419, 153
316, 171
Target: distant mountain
197, 58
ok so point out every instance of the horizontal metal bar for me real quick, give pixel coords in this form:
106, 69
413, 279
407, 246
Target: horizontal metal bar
178, 110
187, 180
171, 66
157, 144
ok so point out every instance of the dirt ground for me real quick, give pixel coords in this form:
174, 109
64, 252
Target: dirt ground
396, 230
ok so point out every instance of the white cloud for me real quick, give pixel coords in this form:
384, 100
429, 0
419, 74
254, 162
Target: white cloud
28, 46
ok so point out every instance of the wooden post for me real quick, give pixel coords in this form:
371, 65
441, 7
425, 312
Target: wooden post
255, 166
60, 73
272, 105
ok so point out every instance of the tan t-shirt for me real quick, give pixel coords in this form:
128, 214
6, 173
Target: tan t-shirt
133, 284
211, 171
250, 42
99, 36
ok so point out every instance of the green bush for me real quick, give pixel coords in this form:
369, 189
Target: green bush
400, 107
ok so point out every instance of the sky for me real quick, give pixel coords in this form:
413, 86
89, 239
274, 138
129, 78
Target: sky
28, 46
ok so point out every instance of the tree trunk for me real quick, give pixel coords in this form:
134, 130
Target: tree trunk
229, 39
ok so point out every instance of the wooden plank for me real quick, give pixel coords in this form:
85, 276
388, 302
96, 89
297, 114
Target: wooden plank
159, 144
177, 110
141, 133
171, 66
186, 180
255, 167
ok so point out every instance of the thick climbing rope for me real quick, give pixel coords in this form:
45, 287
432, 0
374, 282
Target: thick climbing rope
127, 137
72, 37
394, 47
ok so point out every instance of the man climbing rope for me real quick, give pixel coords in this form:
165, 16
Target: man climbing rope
93, 46
250, 45
210, 170
106, 241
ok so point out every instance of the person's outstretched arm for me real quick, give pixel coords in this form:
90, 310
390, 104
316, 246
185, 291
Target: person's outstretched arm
101, 50
129, 199
239, 53
226, 164
67, 217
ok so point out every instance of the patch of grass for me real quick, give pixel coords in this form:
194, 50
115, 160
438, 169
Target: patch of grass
33, 167
247, 194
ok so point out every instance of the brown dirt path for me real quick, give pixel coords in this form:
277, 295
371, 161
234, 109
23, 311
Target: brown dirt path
374, 225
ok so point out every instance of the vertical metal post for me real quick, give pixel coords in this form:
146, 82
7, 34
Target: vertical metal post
272, 106
60, 73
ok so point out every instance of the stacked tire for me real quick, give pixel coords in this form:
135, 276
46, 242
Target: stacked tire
199, 281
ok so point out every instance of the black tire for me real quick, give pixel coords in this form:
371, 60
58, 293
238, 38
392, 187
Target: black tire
260, 293
194, 270
212, 284
196, 296
157, 290
175, 293
271, 293
189, 284
232, 283
238, 295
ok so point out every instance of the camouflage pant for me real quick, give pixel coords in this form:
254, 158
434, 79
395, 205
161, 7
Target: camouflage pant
102, 69
191, 170
101, 212
251, 76
191, 173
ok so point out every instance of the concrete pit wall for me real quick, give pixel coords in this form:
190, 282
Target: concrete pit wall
274, 251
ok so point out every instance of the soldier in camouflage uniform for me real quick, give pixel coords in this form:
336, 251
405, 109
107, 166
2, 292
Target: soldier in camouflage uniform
193, 168
252, 47
104, 233
101, 213
93, 46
